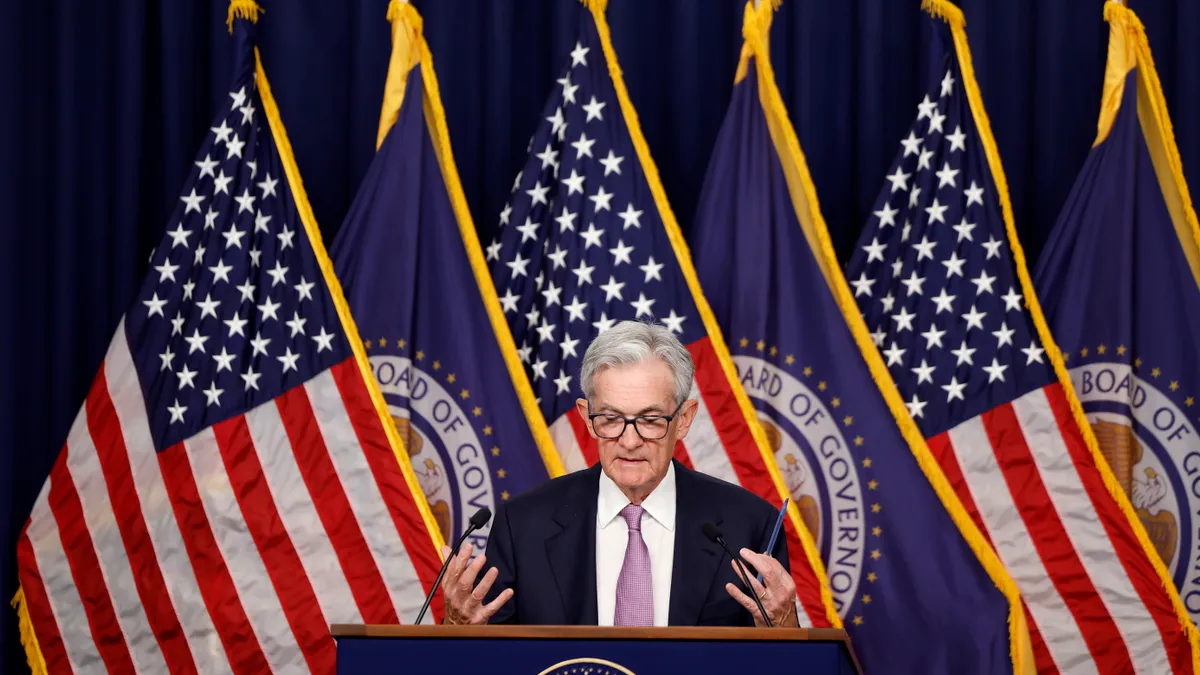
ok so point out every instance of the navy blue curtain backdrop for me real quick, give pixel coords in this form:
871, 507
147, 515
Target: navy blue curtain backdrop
104, 104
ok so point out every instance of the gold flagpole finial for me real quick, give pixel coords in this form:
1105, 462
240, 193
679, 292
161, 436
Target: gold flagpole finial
246, 9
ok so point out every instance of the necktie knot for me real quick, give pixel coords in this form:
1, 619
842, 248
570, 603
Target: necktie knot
633, 517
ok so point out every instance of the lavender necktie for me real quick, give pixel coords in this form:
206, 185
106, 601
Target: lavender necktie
635, 599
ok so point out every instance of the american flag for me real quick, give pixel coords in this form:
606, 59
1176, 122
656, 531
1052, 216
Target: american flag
228, 489
939, 287
586, 242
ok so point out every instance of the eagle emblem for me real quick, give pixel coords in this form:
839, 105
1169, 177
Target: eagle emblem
429, 476
795, 476
1122, 451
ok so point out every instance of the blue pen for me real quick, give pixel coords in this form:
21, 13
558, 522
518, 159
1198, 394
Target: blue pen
775, 533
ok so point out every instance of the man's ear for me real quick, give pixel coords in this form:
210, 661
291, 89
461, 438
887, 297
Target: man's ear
685, 417
581, 405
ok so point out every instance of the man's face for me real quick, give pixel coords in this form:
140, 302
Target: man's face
635, 464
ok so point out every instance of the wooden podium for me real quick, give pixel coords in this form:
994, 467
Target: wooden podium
592, 650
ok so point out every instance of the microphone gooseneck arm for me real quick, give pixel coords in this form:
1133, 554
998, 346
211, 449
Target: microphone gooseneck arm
714, 534
478, 520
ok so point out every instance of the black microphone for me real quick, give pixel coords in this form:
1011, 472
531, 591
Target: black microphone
481, 517
714, 534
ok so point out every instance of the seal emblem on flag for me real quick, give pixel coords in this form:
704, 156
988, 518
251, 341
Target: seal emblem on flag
444, 434
807, 426
1150, 444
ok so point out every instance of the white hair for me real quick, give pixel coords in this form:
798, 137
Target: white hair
630, 342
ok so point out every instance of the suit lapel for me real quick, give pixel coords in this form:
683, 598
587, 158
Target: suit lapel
572, 550
697, 560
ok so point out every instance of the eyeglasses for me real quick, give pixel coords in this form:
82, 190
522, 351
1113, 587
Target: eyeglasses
649, 427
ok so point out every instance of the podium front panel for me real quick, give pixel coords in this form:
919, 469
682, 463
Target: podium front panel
590, 650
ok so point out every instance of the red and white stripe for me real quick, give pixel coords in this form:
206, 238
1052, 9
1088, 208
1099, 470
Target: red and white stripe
1093, 597
232, 551
719, 444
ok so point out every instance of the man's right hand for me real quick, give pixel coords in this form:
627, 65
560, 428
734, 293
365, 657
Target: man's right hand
463, 599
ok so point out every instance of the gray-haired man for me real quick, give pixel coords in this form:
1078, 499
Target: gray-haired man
621, 543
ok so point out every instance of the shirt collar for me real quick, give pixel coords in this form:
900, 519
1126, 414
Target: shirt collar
659, 504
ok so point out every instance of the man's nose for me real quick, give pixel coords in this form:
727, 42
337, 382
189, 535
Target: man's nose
629, 438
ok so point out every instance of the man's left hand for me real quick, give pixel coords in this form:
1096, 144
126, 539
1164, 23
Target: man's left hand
777, 591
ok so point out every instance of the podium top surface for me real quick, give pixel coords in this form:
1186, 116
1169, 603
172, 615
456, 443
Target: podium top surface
362, 648
706, 633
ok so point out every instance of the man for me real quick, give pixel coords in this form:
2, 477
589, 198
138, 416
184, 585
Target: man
621, 543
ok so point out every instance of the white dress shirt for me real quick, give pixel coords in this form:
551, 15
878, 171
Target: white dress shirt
612, 536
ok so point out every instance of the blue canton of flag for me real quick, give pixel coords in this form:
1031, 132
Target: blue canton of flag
236, 311
409, 261
933, 275
915, 596
578, 244
949, 305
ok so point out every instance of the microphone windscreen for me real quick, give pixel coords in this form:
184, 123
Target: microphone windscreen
711, 531
481, 517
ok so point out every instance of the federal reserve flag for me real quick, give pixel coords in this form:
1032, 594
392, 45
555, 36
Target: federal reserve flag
589, 239
918, 586
230, 487
1120, 283
941, 280
416, 281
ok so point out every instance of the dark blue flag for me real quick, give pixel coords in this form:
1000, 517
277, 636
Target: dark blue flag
917, 584
419, 289
1120, 283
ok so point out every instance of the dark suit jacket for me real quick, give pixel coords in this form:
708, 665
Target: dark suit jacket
543, 543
